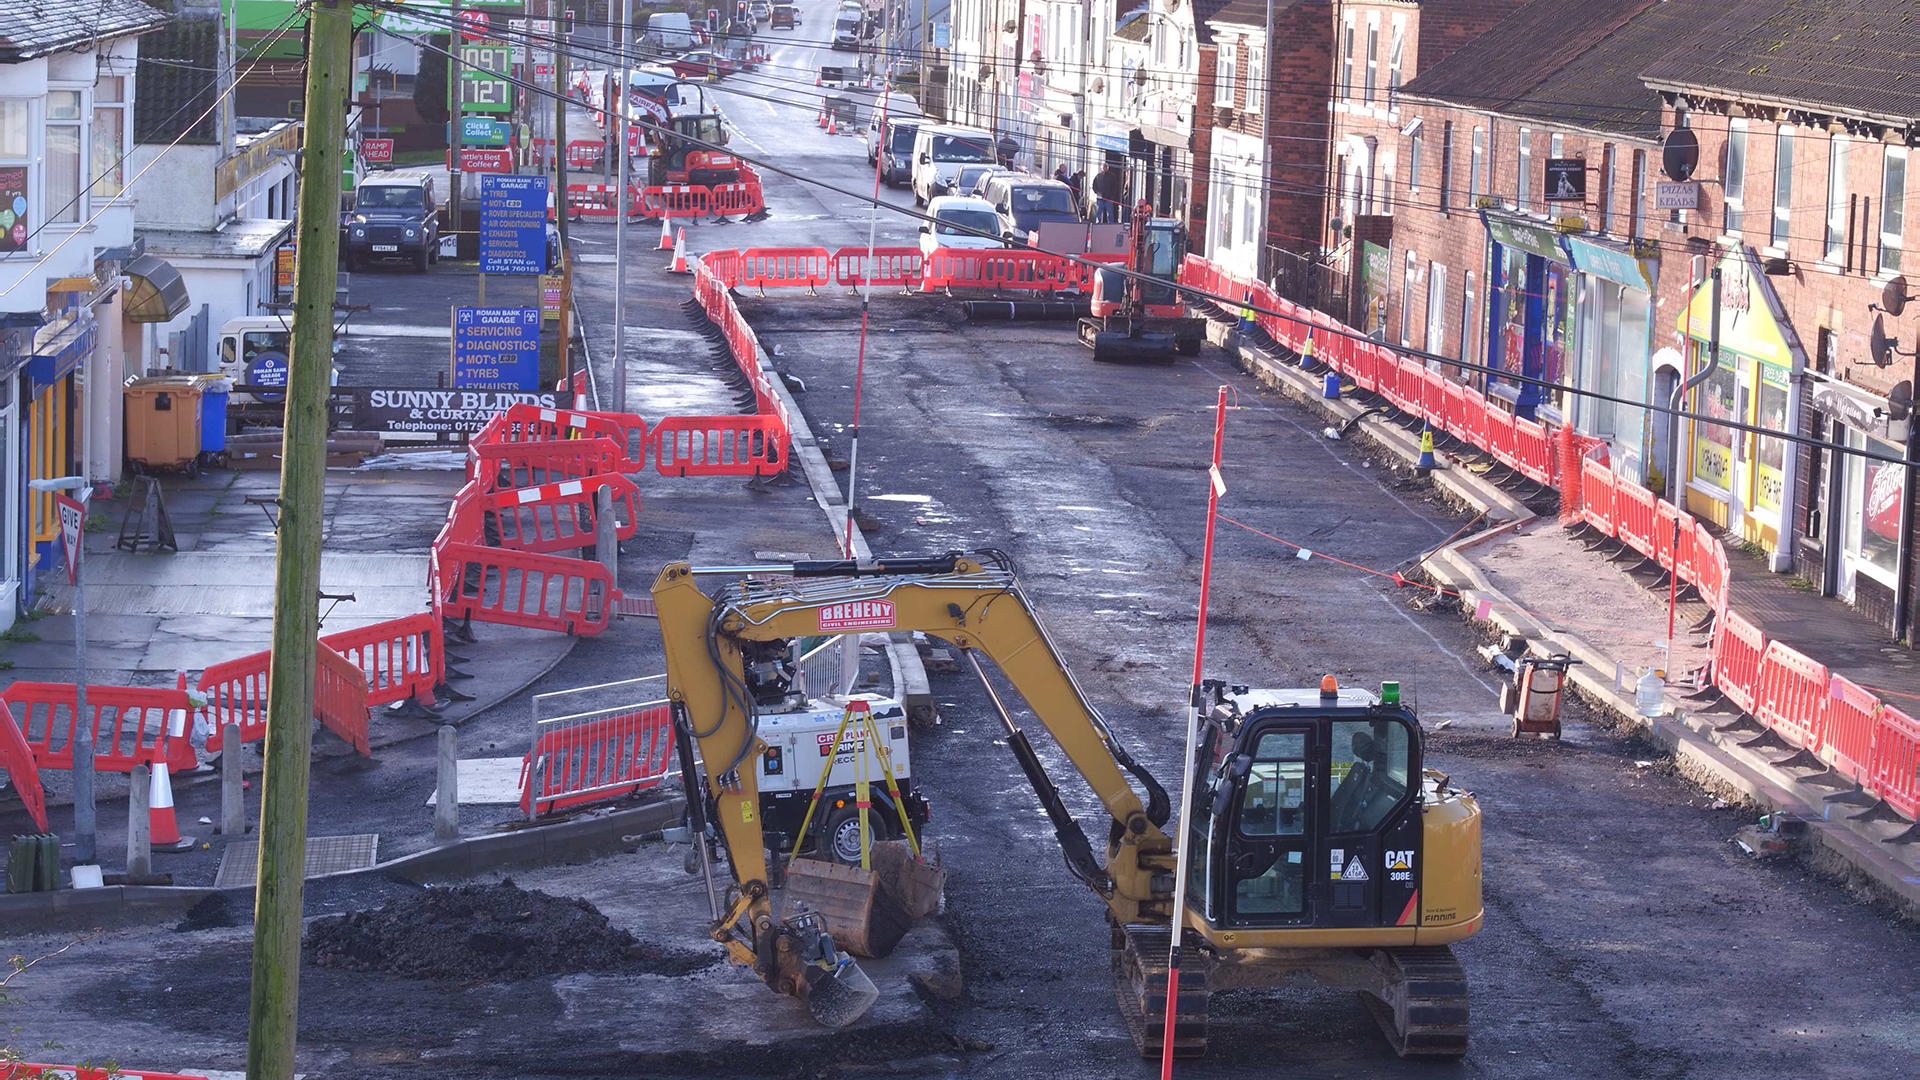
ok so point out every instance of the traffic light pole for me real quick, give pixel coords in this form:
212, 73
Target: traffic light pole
274, 997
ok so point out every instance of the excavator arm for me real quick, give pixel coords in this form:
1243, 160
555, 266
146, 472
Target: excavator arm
723, 654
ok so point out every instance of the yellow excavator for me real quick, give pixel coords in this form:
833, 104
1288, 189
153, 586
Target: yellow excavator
1323, 853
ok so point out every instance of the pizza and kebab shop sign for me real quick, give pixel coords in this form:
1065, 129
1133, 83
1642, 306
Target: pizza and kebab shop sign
496, 348
856, 615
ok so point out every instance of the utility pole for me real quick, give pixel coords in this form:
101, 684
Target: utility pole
274, 1001
620, 218
562, 31
454, 116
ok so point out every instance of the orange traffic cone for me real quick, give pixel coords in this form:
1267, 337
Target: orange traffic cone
666, 233
162, 827
830, 128
821, 120
679, 265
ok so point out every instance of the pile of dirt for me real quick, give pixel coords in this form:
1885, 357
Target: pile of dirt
488, 932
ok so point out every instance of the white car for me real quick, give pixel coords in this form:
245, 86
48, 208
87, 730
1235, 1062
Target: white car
960, 221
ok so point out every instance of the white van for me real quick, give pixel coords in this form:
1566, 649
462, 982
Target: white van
673, 29
938, 154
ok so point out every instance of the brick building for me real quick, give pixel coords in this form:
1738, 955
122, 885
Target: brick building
1804, 125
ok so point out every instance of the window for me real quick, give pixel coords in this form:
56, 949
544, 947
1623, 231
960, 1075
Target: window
1373, 58
1271, 808
1637, 196
1346, 63
1476, 167
1875, 491
1413, 160
1836, 197
1733, 177
1227, 71
109, 136
1556, 145
1606, 188
1893, 207
1446, 166
1436, 308
1406, 302
1393, 62
1782, 186
1370, 767
1469, 324
1520, 183
13, 129
63, 156
1256, 77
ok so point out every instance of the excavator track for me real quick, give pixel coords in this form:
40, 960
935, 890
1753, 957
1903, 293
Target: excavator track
1140, 986
1422, 1008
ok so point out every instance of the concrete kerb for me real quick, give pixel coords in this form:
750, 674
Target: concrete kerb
116, 906
1702, 754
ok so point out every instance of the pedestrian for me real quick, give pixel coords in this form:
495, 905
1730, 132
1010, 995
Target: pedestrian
1006, 150
1060, 172
1078, 182
1109, 187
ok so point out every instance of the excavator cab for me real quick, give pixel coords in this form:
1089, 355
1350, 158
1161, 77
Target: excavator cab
1142, 317
688, 156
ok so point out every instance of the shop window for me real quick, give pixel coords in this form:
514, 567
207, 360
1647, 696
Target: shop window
1893, 207
1733, 177
1613, 352
1770, 452
1713, 442
1782, 187
1875, 490
63, 156
1836, 235
15, 227
1406, 302
1556, 331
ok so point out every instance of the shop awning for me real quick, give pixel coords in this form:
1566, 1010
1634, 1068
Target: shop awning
1856, 408
158, 295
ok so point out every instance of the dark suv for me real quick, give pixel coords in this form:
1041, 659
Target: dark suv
394, 220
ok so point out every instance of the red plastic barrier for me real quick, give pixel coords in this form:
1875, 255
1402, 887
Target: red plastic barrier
531, 423
522, 588
1896, 761
1479, 412
1738, 647
1596, 494
1853, 717
1711, 566
1793, 696
236, 694
675, 200
786, 267
1533, 451
16, 760
1635, 515
592, 200
998, 269
584, 154
890, 266
401, 658
340, 699
500, 465
130, 724
560, 517
29, 1071
1453, 409
720, 445
604, 759
743, 198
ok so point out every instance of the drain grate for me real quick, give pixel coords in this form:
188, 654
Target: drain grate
240, 863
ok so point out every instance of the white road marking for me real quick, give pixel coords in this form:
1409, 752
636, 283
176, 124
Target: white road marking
1457, 658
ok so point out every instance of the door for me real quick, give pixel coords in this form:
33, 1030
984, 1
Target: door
1370, 813
1271, 835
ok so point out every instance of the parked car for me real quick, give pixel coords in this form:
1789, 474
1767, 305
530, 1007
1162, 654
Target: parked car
1023, 202
960, 221
972, 179
761, 9
939, 152
897, 146
394, 220
785, 17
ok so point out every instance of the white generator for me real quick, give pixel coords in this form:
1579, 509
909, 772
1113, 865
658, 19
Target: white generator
798, 745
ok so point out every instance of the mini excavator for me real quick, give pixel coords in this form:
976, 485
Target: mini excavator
1137, 319
1323, 853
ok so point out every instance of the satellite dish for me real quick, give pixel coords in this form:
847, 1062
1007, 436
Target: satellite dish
1140, 76
1099, 85
1900, 401
1681, 155
1893, 298
1881, 345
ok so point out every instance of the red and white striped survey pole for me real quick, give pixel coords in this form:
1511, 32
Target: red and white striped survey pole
1216, 487
866, 301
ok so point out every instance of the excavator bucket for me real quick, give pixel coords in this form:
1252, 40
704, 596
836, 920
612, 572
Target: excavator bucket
868, 911
1119, 347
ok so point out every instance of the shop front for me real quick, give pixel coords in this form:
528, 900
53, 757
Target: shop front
1739, 480
1857, 529
52, 402
1613, 294
1530, 314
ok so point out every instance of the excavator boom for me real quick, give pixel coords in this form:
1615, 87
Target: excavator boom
725, 653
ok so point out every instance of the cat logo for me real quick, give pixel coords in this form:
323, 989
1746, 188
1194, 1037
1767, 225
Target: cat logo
1400, 860
1354, 871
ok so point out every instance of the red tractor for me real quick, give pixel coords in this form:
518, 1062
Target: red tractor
1140, 316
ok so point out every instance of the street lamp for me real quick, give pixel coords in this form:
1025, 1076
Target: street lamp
83, 822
